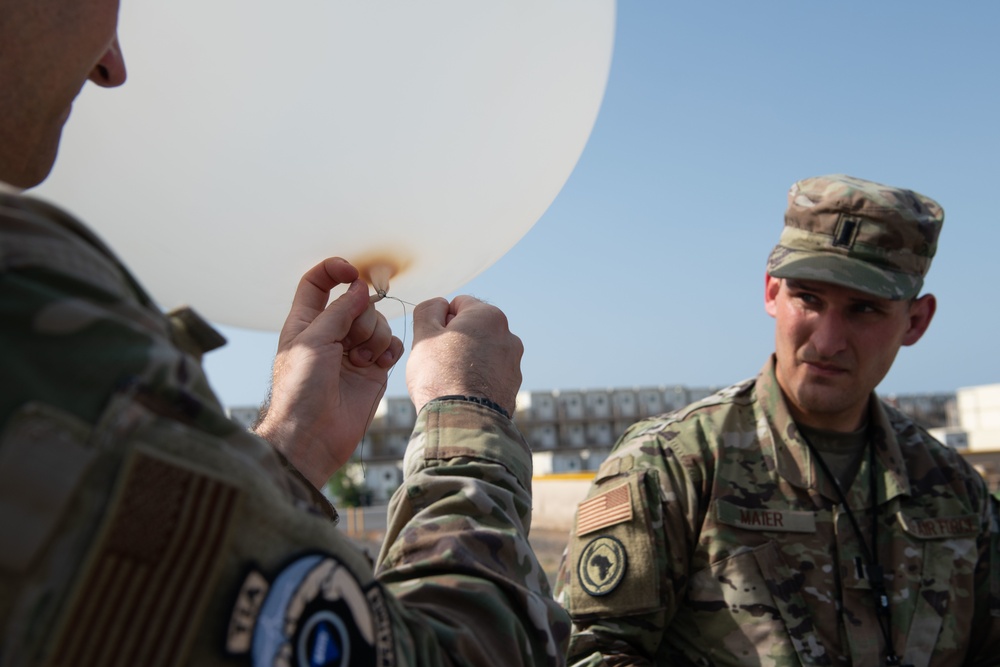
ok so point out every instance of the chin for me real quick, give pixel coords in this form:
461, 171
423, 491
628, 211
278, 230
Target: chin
828, 405
35, 174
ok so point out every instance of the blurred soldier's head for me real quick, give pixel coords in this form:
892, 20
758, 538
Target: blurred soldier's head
49, 50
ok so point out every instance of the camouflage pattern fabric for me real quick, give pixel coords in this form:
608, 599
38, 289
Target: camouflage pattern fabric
711, 537
140, 526
875, 238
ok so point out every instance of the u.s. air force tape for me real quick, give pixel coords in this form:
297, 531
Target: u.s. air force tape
313, 614
602, 565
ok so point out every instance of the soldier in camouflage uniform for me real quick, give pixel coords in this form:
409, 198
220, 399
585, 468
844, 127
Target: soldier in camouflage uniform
794, 518
140, 526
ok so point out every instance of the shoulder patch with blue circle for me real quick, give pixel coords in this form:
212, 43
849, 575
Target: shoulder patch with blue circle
313, 614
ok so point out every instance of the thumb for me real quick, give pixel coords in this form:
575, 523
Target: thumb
429, 317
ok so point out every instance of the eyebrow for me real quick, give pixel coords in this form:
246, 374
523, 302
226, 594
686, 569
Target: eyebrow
798, 284
819, 287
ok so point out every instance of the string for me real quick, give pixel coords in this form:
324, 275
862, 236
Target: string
371, 413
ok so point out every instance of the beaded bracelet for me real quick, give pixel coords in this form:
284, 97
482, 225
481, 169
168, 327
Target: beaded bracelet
485, 402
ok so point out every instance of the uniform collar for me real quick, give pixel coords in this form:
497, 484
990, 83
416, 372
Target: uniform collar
780, 439
888, 454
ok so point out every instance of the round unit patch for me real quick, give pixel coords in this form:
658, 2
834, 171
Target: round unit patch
602, 566
314, 614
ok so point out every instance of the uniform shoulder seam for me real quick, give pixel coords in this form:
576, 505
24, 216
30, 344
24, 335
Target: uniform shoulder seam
739, 393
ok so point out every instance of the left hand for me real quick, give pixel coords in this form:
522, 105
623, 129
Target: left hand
463, 347
329, 373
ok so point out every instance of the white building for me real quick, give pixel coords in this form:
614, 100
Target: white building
979, 415
954, 436
574, 431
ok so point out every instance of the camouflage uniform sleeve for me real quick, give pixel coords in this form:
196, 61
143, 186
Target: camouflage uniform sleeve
125, 489
619, 619
456, 553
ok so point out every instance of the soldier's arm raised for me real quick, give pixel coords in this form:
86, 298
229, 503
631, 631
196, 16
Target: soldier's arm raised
456, 554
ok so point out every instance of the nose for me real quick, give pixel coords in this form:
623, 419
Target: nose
829, 335
109, 71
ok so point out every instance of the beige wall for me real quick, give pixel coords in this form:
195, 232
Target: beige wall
554, 500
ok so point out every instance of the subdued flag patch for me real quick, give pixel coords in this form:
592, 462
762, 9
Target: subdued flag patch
609, 508
144, 588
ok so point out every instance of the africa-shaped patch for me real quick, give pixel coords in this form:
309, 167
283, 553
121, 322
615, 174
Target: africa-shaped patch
602, 566
314, 614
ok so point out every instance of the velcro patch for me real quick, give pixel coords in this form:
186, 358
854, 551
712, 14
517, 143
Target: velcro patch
607, 509
941, 527
616, 571
778, 521
245, 611
846, 232
140, 598
314, 614
602, 566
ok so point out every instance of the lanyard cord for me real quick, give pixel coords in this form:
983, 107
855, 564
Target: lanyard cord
873, 570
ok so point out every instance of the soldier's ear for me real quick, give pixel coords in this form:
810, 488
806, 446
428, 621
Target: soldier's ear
771, 288
921, 313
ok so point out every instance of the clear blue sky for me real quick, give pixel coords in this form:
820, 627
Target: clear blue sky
648, 267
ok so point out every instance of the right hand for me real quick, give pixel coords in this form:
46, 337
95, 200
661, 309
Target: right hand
329, 373
464, 347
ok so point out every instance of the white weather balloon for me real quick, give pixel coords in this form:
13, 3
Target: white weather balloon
255, 138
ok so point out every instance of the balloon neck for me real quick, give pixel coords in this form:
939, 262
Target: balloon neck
380, 274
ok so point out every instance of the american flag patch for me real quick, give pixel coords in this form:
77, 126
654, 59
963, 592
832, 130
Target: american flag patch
144, 589
607, 509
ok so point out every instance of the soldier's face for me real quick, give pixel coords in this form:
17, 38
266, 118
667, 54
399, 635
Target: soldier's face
834, 345
50, 49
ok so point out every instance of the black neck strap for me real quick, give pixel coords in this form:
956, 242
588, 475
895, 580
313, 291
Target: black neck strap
871, 571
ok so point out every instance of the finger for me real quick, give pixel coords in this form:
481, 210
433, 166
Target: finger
364, 327
393, 354
368, 351
463, 302
335, 322
429, 317
313, 292
476, 313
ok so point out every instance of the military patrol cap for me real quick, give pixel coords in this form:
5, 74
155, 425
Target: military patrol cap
870, 237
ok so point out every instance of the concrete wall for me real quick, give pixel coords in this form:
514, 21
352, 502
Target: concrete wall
555, 498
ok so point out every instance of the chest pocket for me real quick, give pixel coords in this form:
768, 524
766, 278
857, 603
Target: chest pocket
749, 607
935, 568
